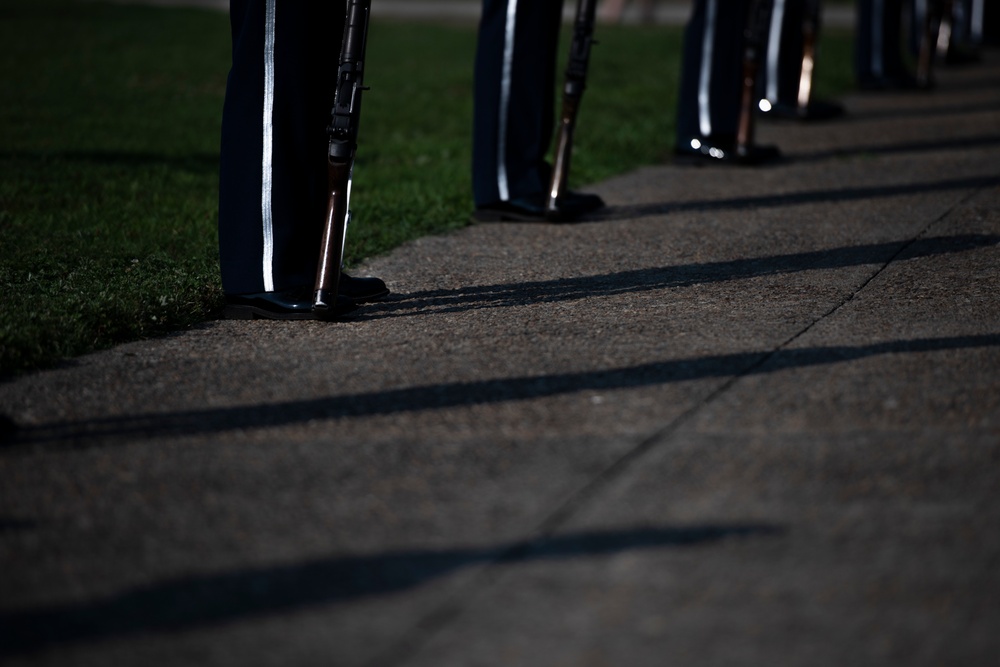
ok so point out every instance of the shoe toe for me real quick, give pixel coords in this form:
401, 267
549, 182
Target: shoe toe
521, 209
297, 304
723, 152
569, 207
574, 205
283, 305
362, 290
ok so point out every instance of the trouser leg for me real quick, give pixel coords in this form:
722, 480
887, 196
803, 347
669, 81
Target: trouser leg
711, 76
514, 98
272, 189
782, 67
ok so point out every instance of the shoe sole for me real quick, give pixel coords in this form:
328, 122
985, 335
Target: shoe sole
555, 218
237, 312
687, 160
232, 312
504, 216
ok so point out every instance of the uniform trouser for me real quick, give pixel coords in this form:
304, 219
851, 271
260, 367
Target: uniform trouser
514, 98
712, 71
272, 190
966, 20
782, 67
967, 26
877, 52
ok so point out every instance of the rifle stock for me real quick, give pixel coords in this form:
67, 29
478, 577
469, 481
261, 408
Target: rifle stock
575, 83
810, 32
945, 28
342, 147
935, 19
754, 35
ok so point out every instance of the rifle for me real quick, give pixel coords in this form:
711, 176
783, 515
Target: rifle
755, 41
343, 145
945, 27
576, 81
934, 20
810, 31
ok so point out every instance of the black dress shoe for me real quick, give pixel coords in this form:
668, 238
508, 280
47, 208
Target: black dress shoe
723, 150
574, 205
571, 206
361, 290
904, 81
816, 110
525, 209
294, 304
297, 304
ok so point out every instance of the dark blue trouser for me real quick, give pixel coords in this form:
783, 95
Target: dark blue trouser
514, 98
781, 70
877, 46
272, 189
708, 103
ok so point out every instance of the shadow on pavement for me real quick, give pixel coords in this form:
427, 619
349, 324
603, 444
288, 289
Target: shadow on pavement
129, 429
794, 198
643, 280
193, 602
958, 143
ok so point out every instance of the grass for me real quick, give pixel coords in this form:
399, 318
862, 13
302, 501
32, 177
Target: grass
109, 137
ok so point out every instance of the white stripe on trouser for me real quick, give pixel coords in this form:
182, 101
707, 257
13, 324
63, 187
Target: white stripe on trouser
505, 77
976, 21
705, 77
774, 50
877, 13
266, 164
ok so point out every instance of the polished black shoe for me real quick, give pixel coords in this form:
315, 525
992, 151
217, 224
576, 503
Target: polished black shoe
362, 290
570, 207
723, 150
903, 81
517, 210
574, 205
295, 304
816, 110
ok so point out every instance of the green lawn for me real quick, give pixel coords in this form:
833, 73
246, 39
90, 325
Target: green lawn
109, 135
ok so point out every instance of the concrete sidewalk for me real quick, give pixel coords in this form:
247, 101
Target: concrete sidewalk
748, 417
